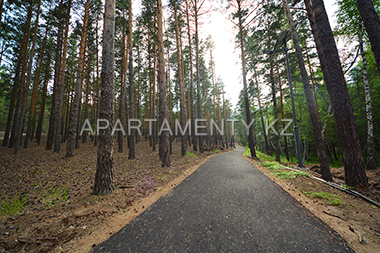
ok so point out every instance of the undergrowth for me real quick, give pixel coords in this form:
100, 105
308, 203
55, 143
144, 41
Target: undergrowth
54, 196
332, 198
17, 205
280, 171
190, 154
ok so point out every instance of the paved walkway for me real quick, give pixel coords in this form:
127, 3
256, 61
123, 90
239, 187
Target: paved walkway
227, 205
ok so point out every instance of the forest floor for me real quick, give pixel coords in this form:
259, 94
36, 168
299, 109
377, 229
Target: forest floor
355, 219
61, 214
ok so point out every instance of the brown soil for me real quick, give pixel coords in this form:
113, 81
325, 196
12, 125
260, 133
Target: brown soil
356, 220
53, 220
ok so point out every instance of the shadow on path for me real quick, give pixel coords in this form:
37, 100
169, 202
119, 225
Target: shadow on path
226, 205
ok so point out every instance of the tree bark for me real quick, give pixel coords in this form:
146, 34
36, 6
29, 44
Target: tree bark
199, 115
338, 92
371, 23
164, 137
131, 138
180, 84
57, 66
78, 88
25, 84
276, 135
192, 111
42, 104
371, 160
104, 172
20, 76
123, 92
244, 73
316, 124
61, 85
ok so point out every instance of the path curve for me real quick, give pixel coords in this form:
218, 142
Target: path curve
226, 205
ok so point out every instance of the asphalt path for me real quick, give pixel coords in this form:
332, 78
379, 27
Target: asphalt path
226, 205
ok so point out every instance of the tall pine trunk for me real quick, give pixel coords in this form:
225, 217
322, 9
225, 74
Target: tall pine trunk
43, 99
123, 91
180, 84
316, 124
164, 137
78, 88
25, 84
338, 92
61, 85
57, 66
131, 138
104, 172
276, 135
199, 114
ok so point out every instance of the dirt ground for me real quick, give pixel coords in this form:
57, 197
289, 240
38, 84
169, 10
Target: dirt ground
355, 219
61, 214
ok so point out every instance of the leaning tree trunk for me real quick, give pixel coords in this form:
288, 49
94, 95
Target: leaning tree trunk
104, 173
371, 160
316, 124
78, 88
131, 138
371, 22
164, 137
61, 85
180, 84
338, 92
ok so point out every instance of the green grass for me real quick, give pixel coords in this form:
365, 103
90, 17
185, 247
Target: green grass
280, 171
17, 205
189, 153
332, 198
54, 196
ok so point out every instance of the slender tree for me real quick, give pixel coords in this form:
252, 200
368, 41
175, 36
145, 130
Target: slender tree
316, 124
131, 138
164, 137
71, 138
104, 172
61, 85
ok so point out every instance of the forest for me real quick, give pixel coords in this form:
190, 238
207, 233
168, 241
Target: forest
51, 79
310, 89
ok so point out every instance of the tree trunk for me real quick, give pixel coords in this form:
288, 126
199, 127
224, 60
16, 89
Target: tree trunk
26, 83
104, 173
201, 149
131, 138
123, 92
78, 88
316, 124
164, 137
338, 92
57, 67
276, 135
371, 23
180, 84
192, 111
61, 85
85, 112
32, 113
20, 76
371, 160
42, 104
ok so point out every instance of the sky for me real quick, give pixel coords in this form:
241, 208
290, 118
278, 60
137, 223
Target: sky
226, 54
